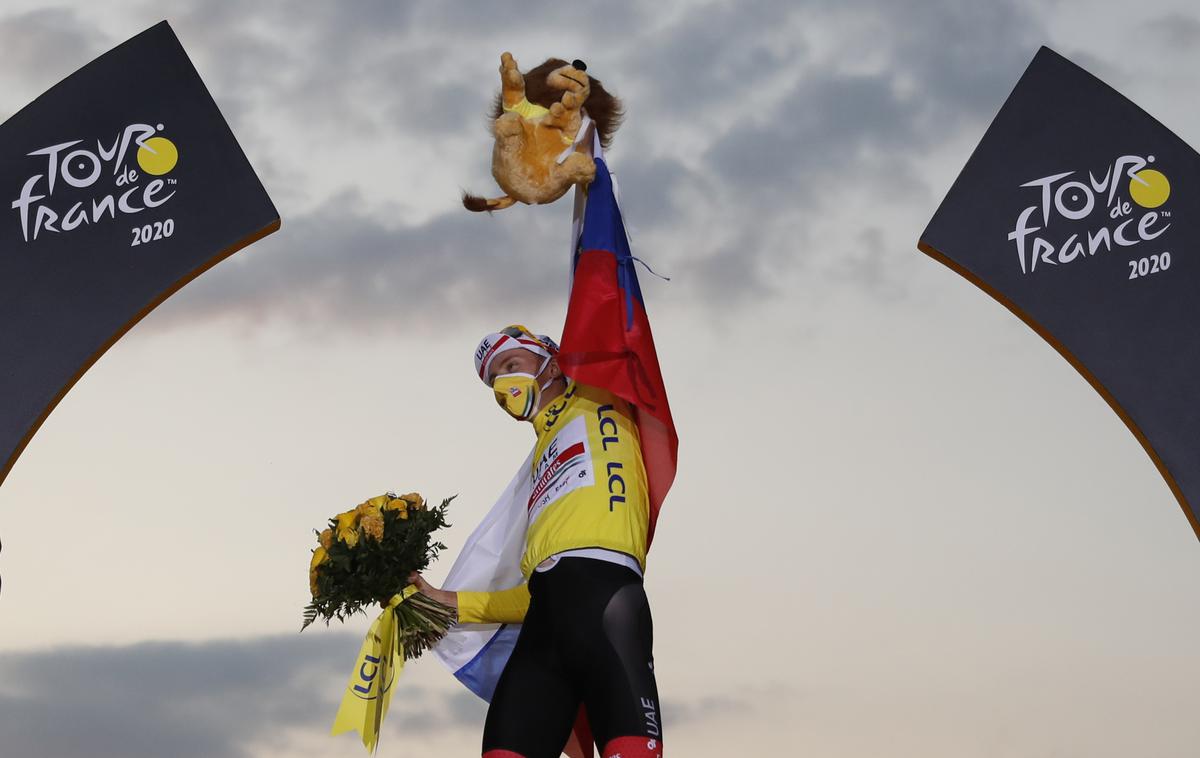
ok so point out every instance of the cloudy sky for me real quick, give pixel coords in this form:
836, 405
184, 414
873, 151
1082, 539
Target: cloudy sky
902, 525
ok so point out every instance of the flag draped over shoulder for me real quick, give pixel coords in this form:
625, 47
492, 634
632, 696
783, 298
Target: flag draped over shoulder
489, 561
606, 343
607, 340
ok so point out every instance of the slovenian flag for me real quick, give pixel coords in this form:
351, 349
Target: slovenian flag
607, 340
606, 343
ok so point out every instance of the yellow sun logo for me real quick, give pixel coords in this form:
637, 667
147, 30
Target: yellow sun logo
1149, 188
158, 155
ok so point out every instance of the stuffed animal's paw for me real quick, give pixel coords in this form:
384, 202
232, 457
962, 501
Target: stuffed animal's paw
578, 168
508, 126
508, 64
511, 80
572, 100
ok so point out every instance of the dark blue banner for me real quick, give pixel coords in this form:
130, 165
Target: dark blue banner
1079, 212
121, 184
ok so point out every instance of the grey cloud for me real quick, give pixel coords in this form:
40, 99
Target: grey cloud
42, 47
734, 701
36, 42
1178, 30
828, 123
216, 699
703, 709
948, 67
834, 135
368, 68
340, 267
330, 75
728, 274
565, 23
956, 60
192, 699
804, 128
711, 54
648, 192
433, 110
966, 57
373, 69
949, 64
799, 125
866, 264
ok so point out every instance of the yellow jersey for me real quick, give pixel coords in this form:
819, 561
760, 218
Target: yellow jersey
589, 490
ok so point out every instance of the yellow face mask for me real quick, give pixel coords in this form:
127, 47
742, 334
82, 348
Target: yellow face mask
518, 394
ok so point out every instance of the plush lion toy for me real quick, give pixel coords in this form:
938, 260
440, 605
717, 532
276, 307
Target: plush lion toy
535, 118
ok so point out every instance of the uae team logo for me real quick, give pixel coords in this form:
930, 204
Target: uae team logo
1076, 215
94, 181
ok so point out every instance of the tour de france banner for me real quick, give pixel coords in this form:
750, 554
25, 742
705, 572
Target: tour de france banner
121, 183
1081, 213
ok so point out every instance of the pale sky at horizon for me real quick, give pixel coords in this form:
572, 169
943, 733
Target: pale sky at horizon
902, 524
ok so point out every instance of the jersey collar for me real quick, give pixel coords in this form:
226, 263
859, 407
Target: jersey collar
548, 417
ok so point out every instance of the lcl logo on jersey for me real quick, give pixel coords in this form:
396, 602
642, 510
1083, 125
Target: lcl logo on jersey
1072, 216
97, 180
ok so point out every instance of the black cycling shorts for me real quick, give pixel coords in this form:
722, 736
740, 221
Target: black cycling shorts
587, 638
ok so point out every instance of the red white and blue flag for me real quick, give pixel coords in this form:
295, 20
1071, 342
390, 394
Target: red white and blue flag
607, 341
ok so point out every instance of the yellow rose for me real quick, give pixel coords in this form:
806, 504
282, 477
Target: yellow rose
372, 525
404, 514
319, 556
346, 528
326, 538
414, 499
378, 501
396, 505
349, 536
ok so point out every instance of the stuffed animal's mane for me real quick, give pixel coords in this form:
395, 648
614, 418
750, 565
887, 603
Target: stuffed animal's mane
602, 107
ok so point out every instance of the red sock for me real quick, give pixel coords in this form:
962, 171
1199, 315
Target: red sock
633, 747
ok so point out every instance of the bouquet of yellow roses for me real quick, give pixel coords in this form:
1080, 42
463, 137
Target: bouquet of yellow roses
365, 557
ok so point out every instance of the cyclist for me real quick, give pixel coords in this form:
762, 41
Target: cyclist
586, 635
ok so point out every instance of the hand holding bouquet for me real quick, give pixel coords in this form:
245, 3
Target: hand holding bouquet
366, 556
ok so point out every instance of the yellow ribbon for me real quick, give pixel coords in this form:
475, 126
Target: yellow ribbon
380, 660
